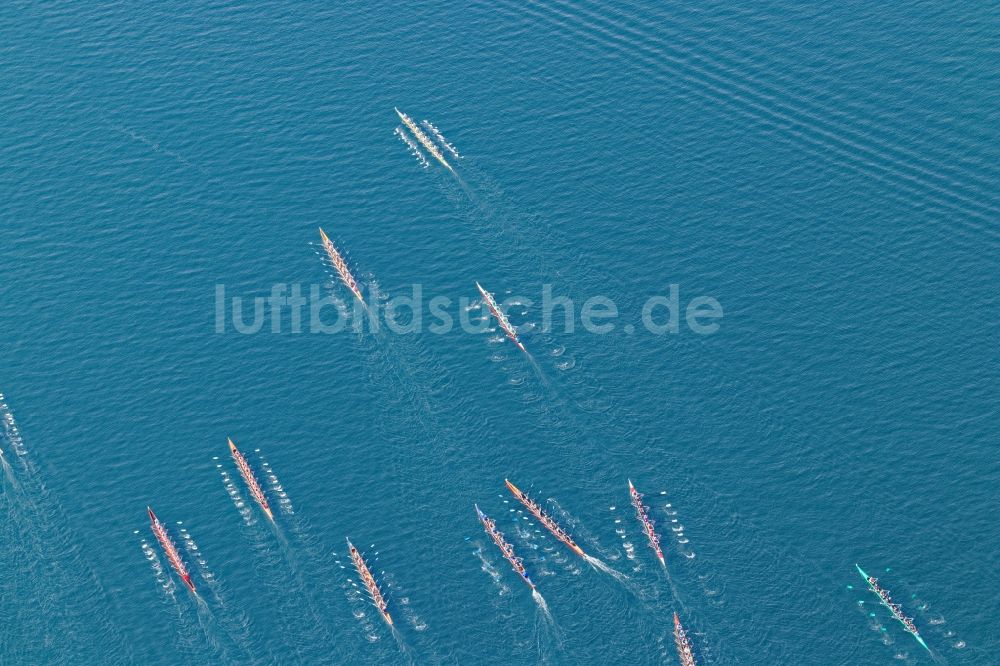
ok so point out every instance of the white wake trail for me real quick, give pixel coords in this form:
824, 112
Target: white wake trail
10, 430
601, 566
548, 635
540, 600
186, 632
8, 471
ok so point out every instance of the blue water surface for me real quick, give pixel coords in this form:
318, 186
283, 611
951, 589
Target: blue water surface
828, 174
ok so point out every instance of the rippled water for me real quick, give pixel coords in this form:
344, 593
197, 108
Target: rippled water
827, 174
